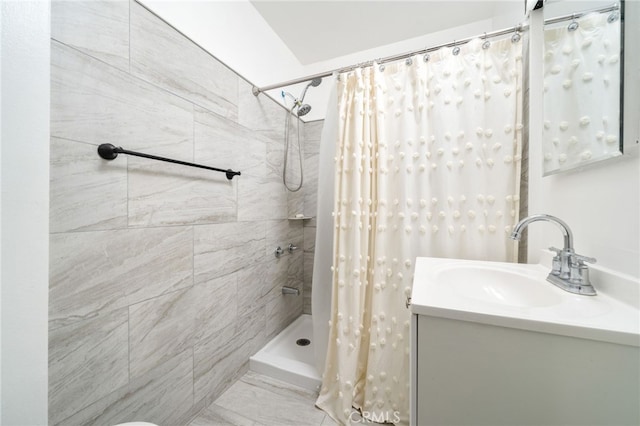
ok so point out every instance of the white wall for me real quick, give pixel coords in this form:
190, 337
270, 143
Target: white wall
601, 202
24, 217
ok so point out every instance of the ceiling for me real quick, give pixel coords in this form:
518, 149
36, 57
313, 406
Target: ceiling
320, 30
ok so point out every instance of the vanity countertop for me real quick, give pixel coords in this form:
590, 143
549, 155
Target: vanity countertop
464, 290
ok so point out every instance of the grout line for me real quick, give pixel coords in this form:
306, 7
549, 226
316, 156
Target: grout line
138, 227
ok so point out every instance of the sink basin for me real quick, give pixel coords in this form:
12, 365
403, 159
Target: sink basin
518, 296
498, 284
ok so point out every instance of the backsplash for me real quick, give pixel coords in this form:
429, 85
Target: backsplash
162, 278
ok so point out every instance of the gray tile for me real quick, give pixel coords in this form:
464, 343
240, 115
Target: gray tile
313, 222
311, 147
94, 272
215, 415
259, 112
313, 132
309, 239
165, 57
228, 145
86, 192
282, 233
163, 396
282, 310
159, 329
262, 199
279, 387
311, 164
295, 203
275, 162
275, 135
295, 273
96, 103
218, 361
307, 280
261, 195
172, 194
328, 421
215, 364
307, 307
311, 185
271, 408
215, 306
227, 247
260, 283
308, 268
97, 28
87, 360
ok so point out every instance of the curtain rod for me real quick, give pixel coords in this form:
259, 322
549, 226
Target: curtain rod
109, 152
518, 28
604, 9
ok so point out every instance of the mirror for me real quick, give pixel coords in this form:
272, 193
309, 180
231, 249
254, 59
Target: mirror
582, 98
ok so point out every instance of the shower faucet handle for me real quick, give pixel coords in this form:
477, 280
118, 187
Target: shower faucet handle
291, 248
278, 251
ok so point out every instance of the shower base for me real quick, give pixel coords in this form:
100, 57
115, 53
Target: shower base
283, 359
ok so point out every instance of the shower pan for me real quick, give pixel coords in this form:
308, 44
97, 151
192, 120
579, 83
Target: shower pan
290, 356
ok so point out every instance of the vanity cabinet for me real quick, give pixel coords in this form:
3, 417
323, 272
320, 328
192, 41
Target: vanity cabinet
477, 374
473, 367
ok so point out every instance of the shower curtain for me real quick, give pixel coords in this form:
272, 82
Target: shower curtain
427, 163
321, 294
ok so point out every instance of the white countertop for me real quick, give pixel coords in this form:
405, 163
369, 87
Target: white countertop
601, 317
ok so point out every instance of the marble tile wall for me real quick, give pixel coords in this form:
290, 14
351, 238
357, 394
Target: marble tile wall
312, 134
162, 278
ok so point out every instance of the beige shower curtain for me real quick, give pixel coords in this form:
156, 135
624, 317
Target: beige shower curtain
427, 164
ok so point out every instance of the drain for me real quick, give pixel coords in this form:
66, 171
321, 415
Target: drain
303, 342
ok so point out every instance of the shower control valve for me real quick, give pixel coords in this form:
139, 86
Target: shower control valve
278, 251
291, 248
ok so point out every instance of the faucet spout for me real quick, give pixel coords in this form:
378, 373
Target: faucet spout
568, 269
566, 232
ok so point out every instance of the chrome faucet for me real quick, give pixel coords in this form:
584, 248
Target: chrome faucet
568, 271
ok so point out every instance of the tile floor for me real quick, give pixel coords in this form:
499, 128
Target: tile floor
256, 399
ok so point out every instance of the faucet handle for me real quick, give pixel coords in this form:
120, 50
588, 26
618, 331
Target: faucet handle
556, 264
579, 276
581, 258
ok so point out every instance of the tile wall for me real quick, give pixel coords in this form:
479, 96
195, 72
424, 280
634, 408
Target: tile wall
162, 278
312, 134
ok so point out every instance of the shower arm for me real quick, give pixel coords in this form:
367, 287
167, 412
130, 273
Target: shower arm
293, 98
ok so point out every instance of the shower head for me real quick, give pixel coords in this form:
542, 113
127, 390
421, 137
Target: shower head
303, 110
315, 83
